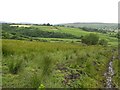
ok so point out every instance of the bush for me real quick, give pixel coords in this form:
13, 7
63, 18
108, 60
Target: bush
91, 39
103, 42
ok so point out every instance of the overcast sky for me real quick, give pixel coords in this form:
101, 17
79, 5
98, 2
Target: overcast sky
59, 11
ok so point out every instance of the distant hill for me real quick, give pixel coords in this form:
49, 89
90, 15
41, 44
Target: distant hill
95, 25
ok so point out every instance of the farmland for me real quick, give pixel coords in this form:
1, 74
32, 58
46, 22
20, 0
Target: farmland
42, 56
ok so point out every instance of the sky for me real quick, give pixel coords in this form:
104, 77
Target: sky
59, 11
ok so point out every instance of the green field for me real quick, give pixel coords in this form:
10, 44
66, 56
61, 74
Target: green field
33, 60
78, 32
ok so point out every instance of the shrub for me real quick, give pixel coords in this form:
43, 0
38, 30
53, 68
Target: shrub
103, 42
91, 39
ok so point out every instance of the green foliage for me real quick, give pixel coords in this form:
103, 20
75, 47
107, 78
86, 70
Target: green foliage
7, 51
103, 42
12, 32
14, 66
118, 35
93, 30
41, 87
91, 39
35, 80
47, 65
26, 32
63, 65
97, 27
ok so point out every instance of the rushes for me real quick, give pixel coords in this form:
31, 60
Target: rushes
15, 65
46, 69
6, 50
41, 60
47, 65
35, 81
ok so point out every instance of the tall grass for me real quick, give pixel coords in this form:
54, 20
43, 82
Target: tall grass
15, 65
49, 63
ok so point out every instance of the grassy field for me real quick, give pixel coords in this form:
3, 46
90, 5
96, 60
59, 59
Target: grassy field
34, 31
32, 60
54, 65
78, 32
74, 31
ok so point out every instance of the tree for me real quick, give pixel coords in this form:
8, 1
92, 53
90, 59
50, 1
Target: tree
48, 24
90, 39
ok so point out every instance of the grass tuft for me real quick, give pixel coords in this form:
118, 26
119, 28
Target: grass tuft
15, 66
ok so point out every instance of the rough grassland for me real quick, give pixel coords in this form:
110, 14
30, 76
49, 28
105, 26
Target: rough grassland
54, 65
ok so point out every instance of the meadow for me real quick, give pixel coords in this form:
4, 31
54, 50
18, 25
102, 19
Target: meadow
63, 62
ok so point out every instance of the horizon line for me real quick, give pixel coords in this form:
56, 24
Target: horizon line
61, 23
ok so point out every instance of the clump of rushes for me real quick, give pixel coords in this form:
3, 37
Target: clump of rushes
14, 66
7, 51
35, 81
47, 65
46, 70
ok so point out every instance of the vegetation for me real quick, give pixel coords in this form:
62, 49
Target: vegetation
93, 30
103, 42
12, 32
53, 64
107, 27
49, 33
48, 56
91, 39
